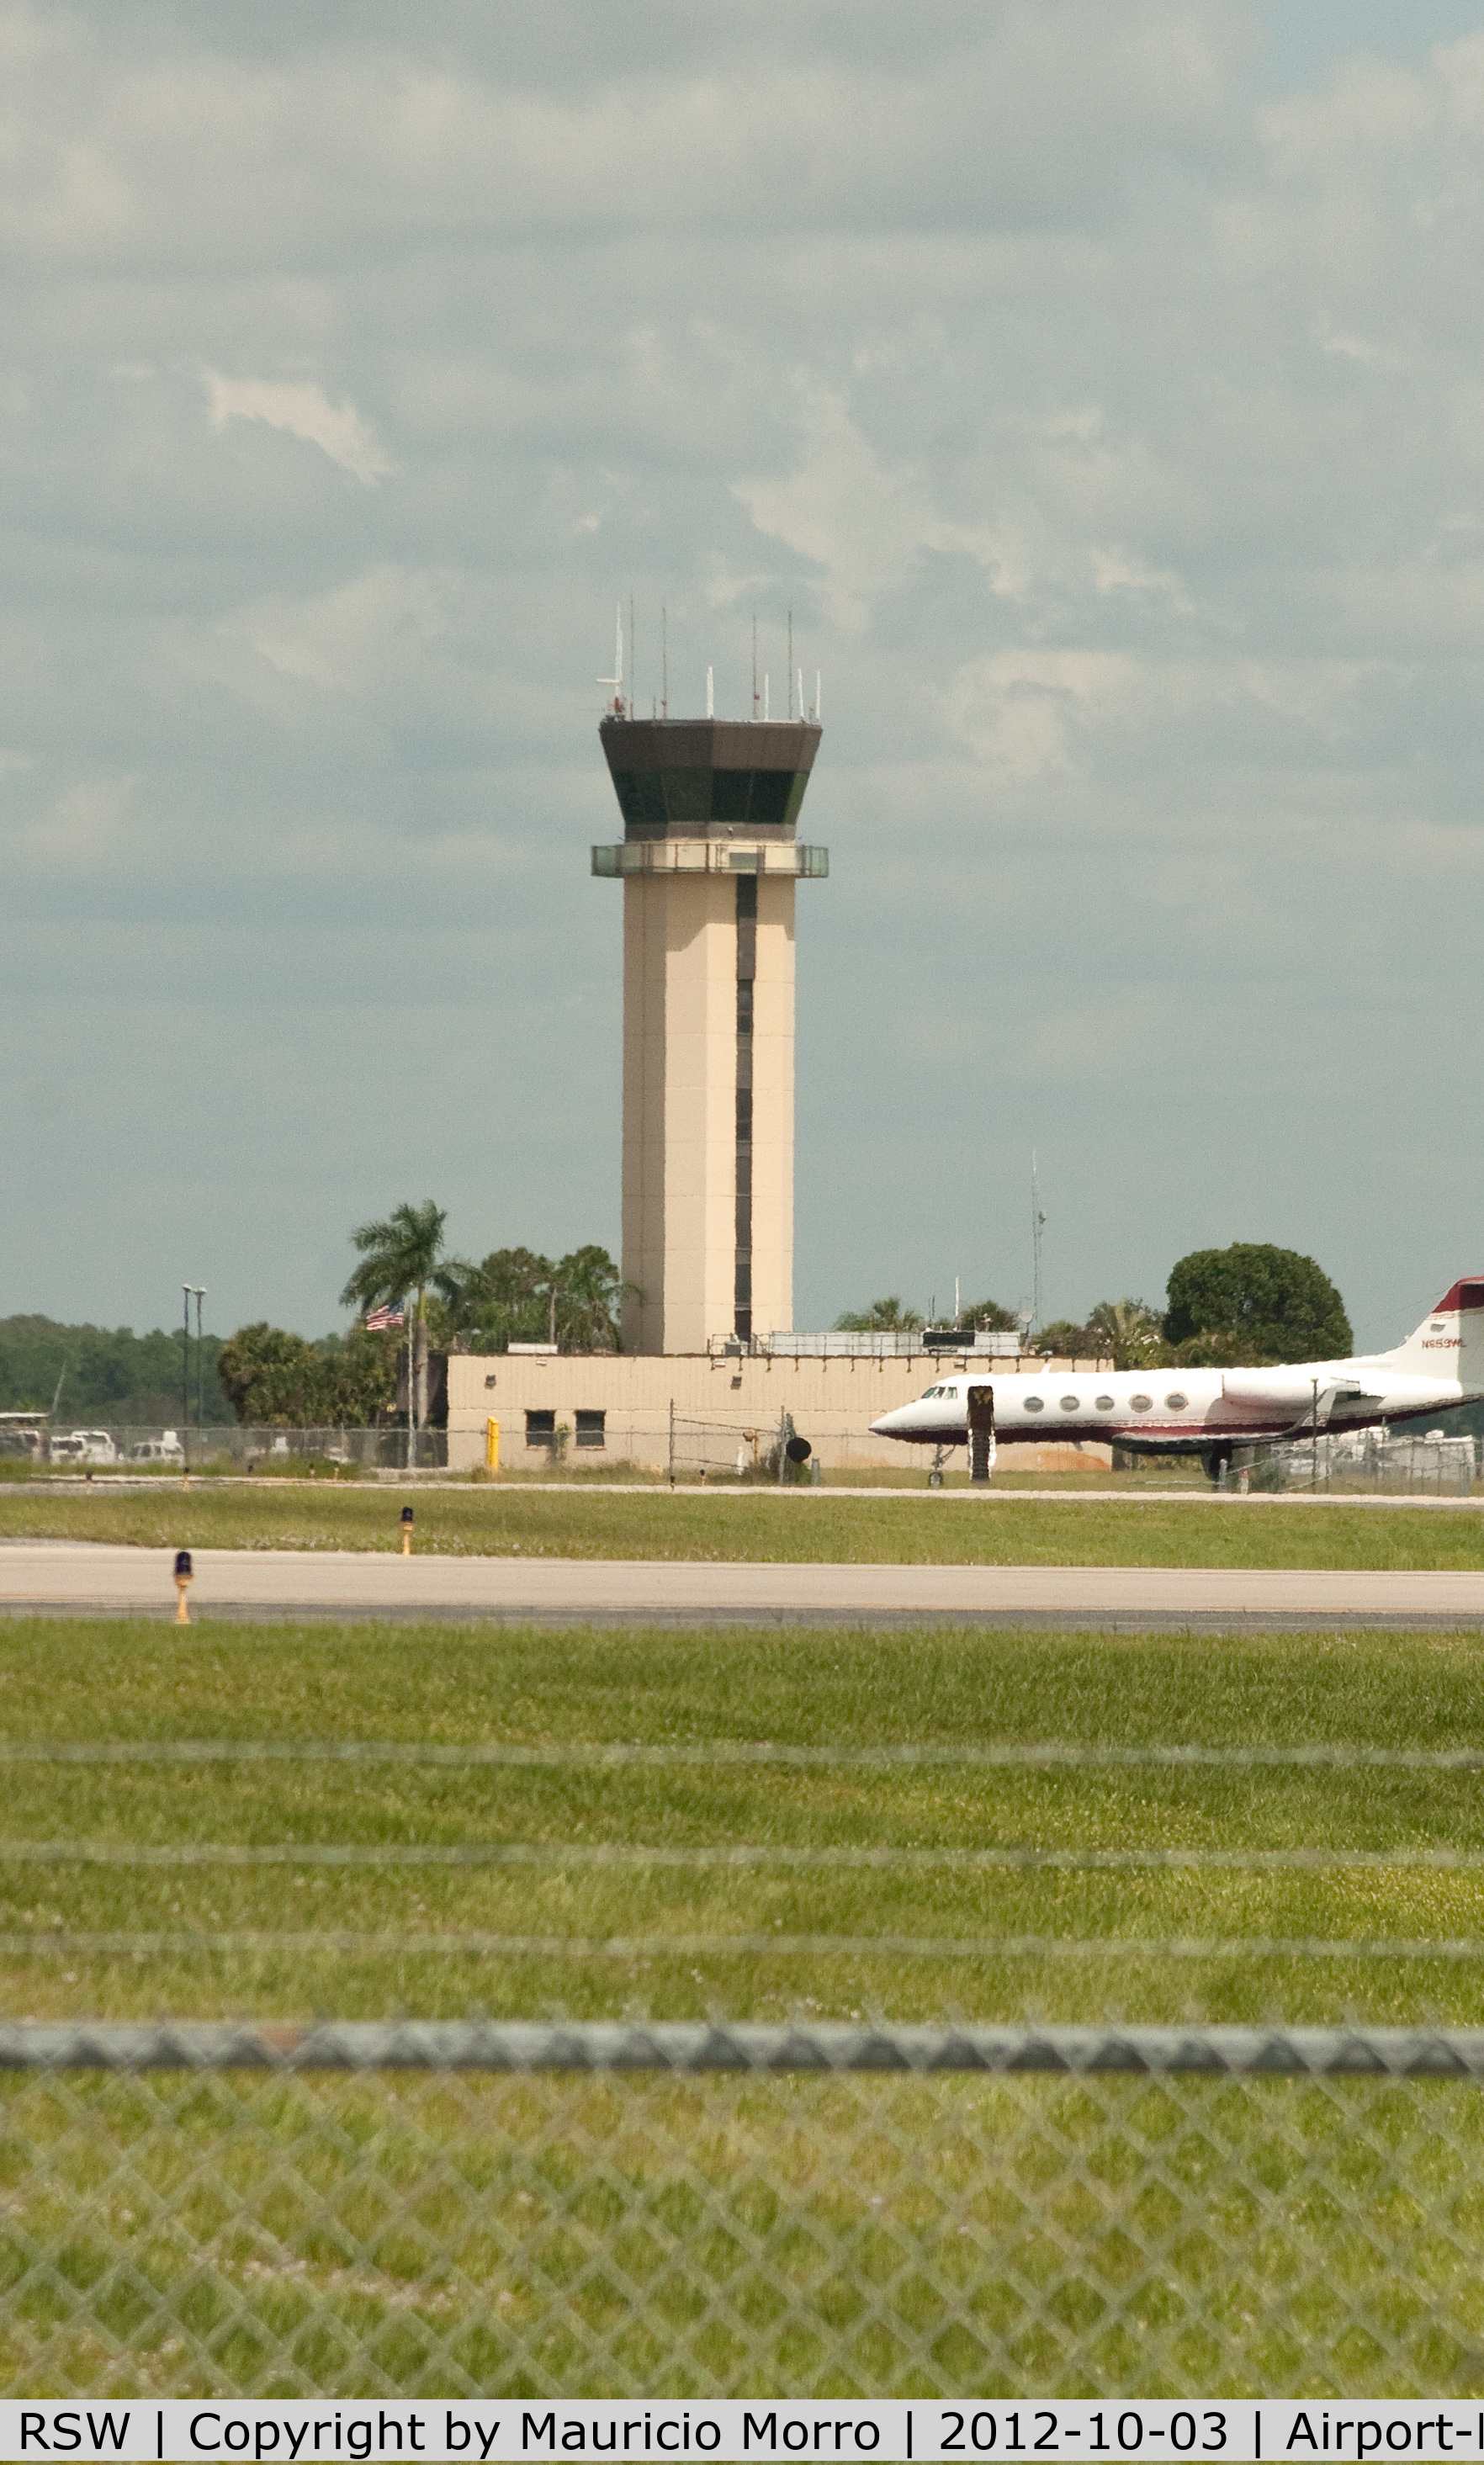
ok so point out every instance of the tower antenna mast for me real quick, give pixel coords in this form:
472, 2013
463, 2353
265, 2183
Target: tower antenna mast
617, 680
1037, 1226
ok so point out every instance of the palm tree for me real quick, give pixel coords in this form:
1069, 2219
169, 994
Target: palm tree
400, 1255
1129, 1332
885, 1317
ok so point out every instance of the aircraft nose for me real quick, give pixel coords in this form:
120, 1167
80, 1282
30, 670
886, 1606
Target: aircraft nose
886, 1427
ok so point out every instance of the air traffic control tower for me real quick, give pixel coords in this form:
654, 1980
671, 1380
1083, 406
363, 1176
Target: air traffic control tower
708, 860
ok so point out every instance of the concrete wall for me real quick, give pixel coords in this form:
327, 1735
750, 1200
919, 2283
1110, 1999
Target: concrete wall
679, 1147
772, 1114
723, 1403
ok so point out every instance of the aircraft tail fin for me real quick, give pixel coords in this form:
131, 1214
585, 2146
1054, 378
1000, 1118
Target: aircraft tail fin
1450, 1343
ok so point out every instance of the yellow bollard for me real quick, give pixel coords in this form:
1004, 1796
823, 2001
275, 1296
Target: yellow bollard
406, 1532
492, 1446
182, 1586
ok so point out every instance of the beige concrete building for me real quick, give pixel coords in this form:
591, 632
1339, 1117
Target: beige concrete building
709, 862
716, 1408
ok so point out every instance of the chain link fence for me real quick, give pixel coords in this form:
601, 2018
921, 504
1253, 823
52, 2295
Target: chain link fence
686, 2212
234, 1445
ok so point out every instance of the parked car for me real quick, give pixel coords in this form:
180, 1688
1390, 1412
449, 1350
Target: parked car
166, 1449
83, 1447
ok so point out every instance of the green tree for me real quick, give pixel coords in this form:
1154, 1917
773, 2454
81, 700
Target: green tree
988, 1314
274, 1378
519, 1296
1064, 1339
587, 1296
283, 1381
1254, 1303
886, 1316
1128, 1332
504, 1300
400, 1255
109, 1375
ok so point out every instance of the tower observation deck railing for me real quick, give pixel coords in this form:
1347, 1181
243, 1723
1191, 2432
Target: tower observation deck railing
908, 1344
782, 857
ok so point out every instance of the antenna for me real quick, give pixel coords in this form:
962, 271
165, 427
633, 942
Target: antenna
634, 656
801, 693
790, 670
754, 669
1037, 1224
664, 663
711, 694
617, 680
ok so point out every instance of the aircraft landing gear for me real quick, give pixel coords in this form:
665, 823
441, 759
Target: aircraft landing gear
935, 1478
1218, 1464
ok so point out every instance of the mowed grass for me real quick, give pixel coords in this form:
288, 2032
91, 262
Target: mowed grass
813, 2236
743, 1857
920, 1529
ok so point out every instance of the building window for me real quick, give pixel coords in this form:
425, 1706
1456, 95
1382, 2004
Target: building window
541, 1429
589, 1432
1035, 1403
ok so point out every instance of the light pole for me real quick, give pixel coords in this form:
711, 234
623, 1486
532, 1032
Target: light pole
185, 1381
200, 1372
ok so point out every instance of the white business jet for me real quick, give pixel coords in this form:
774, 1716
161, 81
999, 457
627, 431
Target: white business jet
1207, 1412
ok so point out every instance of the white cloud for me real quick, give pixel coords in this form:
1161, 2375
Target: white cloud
300, 410
84, 825
863, 526
360, 637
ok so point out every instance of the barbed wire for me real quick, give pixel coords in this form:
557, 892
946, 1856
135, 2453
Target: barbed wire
47, 1942
869, 1858
499, 1754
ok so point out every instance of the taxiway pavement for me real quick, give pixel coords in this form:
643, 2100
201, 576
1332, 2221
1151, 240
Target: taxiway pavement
83, 1578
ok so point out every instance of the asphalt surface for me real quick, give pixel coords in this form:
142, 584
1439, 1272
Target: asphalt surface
82, 1578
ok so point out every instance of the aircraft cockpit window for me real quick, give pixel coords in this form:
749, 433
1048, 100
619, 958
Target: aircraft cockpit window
1068, 1403
1035, 1403
1142, 1403
1104, 1403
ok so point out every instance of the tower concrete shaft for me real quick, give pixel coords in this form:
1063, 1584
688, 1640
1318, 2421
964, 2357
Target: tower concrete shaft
709, 862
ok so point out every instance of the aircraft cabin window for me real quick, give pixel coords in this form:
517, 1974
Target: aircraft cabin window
1035, 1403
1104, 1403
1177, 1402
1142, 1403
1068, 1403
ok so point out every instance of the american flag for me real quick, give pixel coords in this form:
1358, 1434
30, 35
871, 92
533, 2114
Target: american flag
380, 1320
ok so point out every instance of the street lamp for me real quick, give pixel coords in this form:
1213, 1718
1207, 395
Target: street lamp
199, 1291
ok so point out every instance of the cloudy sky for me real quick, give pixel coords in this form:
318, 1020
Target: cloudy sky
1101, 383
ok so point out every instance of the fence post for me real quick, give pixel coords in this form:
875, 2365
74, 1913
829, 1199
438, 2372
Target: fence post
492, 1446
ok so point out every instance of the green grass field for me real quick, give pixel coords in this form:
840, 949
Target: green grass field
594, 1852
802, 2234
919, 1529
